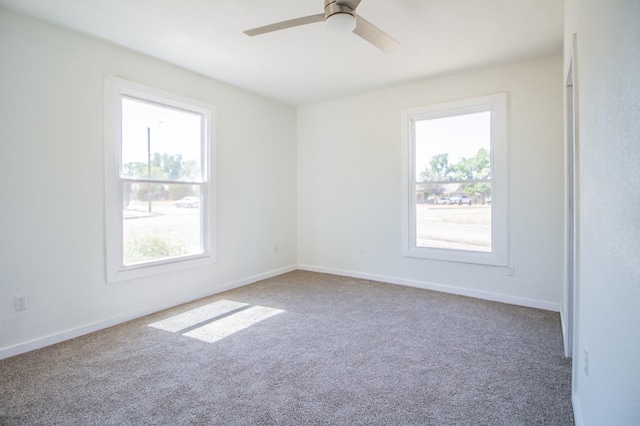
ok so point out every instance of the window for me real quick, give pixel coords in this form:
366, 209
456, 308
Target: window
455, 180
159, 195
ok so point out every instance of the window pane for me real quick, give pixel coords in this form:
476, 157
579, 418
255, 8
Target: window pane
460, 222
453, 174
160, 142
453, 149
160, 221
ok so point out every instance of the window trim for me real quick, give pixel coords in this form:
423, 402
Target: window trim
114, 89
499, 254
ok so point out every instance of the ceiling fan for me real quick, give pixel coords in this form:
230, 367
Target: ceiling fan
339, 15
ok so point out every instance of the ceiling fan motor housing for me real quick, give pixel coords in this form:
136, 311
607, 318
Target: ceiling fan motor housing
331, 7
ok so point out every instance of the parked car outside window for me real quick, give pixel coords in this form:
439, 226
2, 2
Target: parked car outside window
461, 199
188, 202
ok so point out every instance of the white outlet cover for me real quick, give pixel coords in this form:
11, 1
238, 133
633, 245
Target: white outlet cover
20, 302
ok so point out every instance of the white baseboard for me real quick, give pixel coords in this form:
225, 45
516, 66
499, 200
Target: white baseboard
118, 319
577, 411
496, 297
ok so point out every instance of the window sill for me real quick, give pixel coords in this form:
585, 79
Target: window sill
127, 273
462, 256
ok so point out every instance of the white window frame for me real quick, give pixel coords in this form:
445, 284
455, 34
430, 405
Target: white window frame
497, 105
114, 90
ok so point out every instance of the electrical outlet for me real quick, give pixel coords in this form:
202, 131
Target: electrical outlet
20, 302
275, 248
586, 361
363, 249
511, 271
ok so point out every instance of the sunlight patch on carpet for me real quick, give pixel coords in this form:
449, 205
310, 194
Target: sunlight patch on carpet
198, 315
231, 324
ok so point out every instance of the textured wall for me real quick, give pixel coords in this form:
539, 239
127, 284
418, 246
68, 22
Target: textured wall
608, 289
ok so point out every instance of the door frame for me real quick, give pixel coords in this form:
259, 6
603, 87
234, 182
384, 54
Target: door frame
569, 316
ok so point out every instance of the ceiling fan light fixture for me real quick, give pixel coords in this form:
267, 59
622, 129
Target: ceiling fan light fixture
341, 23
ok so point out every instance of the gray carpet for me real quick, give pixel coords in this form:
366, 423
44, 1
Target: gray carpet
343, 351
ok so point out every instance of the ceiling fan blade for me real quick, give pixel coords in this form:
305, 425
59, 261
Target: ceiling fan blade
286, 24
350, 3
374, 35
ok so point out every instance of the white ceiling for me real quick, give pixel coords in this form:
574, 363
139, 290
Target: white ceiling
308, 64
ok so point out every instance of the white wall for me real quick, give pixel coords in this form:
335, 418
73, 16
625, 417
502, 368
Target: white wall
608, 287
349, 185
52, 191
